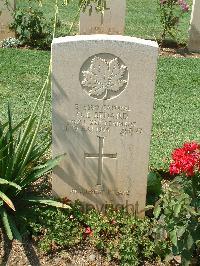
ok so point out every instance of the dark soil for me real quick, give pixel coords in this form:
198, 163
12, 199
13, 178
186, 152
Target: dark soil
179, 52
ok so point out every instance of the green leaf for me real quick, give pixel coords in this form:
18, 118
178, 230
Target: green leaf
154, 183
192, 210
50, 164
157, 211
6, 224
14, 229
177, 209
2, 127
53, 203
4, 148
186, 256
20, 124
198, 243
173, 237
39, 150
180, 231
41, 170
190, 241
7, 200
5, 182
148, 207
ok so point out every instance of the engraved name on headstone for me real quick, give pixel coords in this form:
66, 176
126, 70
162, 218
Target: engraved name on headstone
102, 89
111, 21
194, 32
6, 18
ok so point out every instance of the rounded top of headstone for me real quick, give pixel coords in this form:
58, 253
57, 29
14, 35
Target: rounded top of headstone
106, 38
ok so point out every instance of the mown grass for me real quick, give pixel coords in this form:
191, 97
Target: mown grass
177, 101
142, 18
22, 73
177, 107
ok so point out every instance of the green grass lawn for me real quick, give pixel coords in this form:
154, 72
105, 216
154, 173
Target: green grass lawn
177, 101
177, 107
142, 19
22, 73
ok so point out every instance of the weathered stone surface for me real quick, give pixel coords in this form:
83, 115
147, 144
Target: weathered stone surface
6, 19
102, 89
112, 21
194, 32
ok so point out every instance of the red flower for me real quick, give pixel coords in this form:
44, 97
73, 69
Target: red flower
184, 6
191, 146
186, 159
174, 169
88, 232
178, 154
65, 200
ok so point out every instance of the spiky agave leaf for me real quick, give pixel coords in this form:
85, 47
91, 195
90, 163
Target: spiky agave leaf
41, 170
14, 229
7, 200
17, 160
12, 184
44, 201
9, 225
6, 223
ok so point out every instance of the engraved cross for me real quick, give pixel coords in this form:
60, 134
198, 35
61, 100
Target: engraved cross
100, 157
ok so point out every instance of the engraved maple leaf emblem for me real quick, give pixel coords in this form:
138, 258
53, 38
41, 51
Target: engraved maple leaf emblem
104, 77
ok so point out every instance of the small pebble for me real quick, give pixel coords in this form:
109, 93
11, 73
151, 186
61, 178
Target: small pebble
92, 257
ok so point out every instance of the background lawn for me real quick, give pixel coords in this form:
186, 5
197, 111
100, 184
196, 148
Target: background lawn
142, 19
177, 107
177, 101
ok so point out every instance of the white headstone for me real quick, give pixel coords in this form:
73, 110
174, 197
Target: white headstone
194, 33
111, 21
6, 18
103, 92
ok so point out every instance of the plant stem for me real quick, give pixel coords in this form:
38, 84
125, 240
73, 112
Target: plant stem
75, 18
194, 192
45, 91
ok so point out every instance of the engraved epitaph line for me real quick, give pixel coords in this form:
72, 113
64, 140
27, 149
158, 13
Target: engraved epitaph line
100, 157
